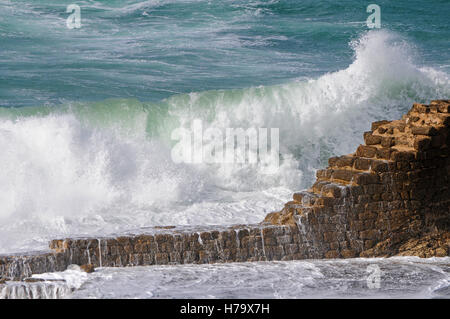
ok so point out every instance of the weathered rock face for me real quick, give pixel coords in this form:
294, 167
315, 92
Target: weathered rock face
178, 246
390, 197
18, 267
164, 246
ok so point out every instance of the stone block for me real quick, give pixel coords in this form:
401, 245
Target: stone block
362, 163
371, 139
348, 253
420, 108
366, 151
366, 178
424, 130
384, 153
422, 143
343, 174
387, 141
332, 254
377, 124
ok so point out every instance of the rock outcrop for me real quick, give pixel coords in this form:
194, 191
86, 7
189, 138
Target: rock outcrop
159, 246
390, 197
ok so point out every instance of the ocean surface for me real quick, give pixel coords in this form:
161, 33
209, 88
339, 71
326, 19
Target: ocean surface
397, 277
86, 115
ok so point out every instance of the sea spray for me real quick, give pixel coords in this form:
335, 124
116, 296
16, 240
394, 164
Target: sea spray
97, 168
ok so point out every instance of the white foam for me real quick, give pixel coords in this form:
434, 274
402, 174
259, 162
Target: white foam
73, 277
333, 278
63, 174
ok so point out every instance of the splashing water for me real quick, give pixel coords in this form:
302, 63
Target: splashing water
96, 168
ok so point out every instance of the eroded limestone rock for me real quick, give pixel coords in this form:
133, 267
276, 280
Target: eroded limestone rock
390, 197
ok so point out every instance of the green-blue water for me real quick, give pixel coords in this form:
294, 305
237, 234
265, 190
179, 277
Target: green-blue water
86, 115
150, 50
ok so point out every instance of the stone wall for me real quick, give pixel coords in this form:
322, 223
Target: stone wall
161, 247
390, 197
18, 267
235, 244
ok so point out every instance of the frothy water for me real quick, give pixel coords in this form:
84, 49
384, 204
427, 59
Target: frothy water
39, 290
97, 168
400, 277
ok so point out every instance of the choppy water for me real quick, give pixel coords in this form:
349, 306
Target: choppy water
86, 114
399, 277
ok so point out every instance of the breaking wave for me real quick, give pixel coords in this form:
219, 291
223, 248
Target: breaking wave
106, 166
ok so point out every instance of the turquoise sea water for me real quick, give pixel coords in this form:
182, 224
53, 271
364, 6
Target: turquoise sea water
151, 50
86, 114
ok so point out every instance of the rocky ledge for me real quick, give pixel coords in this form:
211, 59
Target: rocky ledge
390, 197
